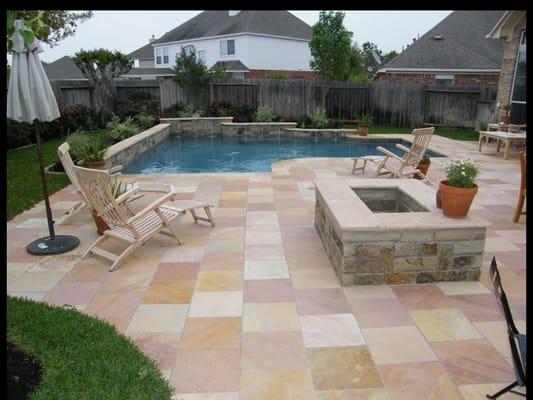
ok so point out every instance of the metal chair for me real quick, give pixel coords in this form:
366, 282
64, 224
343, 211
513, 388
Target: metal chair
517, 341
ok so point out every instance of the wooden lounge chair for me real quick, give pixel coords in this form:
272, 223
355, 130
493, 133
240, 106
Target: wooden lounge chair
68, 166
522, 195
404, 166
135, 230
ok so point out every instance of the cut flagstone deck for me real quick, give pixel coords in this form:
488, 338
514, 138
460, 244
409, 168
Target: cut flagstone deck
252, 309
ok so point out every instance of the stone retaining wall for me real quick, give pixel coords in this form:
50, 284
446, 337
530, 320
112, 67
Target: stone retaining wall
123, 152
322, 133
205, 126
255, 128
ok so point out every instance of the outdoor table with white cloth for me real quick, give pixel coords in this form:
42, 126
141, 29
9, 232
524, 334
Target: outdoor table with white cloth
500, 136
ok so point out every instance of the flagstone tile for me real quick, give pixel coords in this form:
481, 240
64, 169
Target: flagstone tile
479, 307
261, 317
216, 304
268, 291
462, 288
273, 350
88, 270
374, 313
73, 293
162, 348
217, 281
321, 301
227, 233
224, 246
264, 252
353, 394
343, 368
212, 333
206, 396
444, 324
115, 308
59, 263
207, 371
266, 269
331, 330
314, 278
428, 380
15, 270
395, 345
155, 318
37, 296
480, 391
36, 281
176, 271
422, 297
368, 292
279, 384
263, 238
184, 253
473, 361
223, 261
496, 333
169, 292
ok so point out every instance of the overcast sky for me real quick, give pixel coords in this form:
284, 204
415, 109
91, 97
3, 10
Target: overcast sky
128, 30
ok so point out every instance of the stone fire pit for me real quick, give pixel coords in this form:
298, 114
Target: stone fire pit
389, 231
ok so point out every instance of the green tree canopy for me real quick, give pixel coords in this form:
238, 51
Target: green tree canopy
49, 26
370, 52
189, 71
331, 47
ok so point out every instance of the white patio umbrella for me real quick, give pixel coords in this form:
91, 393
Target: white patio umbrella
30, 99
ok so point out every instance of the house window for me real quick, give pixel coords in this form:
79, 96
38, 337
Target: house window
227, 47
165, 55
158, 55
201, 56
238, 76
189, 49
444, 80
518, 94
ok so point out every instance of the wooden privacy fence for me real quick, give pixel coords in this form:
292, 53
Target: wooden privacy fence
391, 104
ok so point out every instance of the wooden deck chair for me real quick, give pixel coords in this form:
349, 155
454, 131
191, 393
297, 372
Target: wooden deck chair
404, 166
136, 230
68, 166
522, 194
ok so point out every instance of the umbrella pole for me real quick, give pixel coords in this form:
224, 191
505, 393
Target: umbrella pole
43, 181
53, 244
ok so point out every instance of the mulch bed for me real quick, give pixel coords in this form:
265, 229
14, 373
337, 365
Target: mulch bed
23, 373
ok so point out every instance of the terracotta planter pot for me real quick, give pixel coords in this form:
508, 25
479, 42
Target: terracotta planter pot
94, 164
101, 225
456, 201
505, 119
422, 168
362, 130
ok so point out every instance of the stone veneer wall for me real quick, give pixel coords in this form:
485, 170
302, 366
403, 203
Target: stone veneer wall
397, 257
123, 152
204, 125
255, 128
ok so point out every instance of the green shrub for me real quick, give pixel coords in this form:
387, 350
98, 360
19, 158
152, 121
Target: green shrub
335, 124
77, 141
264, 114
94, 148
221, 109
461, 173
144, 121
304, 122
242, 113
425, 160
188, 111
319, 120
119, 130
173, 111
365, 119
18, 134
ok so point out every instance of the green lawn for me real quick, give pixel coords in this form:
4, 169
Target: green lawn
451, 133
24, 187
83, 358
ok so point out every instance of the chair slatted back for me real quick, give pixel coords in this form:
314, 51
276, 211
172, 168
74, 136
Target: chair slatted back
422, 137
68, 165
97, 186
511, 327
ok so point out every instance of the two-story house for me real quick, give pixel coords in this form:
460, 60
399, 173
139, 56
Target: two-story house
250, 44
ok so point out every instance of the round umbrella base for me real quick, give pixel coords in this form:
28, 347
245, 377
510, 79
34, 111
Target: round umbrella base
46, 246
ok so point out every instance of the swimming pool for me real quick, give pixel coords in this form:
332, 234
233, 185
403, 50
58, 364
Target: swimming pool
245, 154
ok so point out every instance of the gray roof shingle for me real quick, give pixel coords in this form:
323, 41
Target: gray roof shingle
149, 71
232, 65
63, 68
463, 44
143, 53
216, 23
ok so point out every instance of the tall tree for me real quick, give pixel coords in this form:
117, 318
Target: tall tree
49, 26
357, 72
191, 72
373, 57
100, 67
331, 47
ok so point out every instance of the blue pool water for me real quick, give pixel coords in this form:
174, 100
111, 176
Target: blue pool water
241, 154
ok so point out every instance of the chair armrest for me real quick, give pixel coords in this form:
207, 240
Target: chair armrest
151, 207
115, 169
402, 147
388, 153
124, 196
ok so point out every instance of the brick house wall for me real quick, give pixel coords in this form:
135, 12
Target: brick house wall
510, 52
429, 79
263, 74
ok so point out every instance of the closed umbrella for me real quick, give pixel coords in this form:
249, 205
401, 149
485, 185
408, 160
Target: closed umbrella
30, 99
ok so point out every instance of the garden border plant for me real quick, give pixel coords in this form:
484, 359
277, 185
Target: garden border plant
82, 357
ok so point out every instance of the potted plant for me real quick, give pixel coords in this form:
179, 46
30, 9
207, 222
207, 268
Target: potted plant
92, 152
505, 118
458, 191
363, 123
423, 166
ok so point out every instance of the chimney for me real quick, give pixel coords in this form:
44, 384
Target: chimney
151, 39
233, 13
